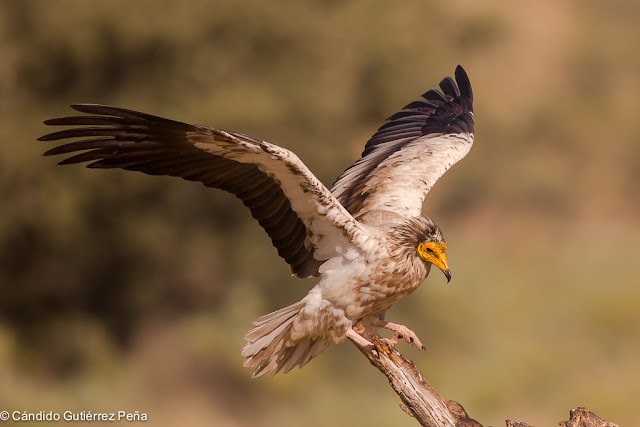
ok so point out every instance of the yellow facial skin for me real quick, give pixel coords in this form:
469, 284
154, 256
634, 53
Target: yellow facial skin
436, 254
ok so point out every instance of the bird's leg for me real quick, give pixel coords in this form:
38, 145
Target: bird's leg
401, 331
360, 340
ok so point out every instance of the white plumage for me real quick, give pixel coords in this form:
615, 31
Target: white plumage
365, 238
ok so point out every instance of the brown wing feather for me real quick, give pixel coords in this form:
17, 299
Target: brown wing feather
118, 138
405, 137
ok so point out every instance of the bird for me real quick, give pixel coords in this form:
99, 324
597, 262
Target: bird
365, 238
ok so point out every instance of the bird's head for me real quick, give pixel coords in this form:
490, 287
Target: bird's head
435, 252
423, 234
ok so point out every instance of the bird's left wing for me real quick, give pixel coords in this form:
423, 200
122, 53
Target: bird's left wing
296, 210
409, 153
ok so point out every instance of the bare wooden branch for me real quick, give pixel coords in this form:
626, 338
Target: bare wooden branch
421, 401
579, 417
582, 417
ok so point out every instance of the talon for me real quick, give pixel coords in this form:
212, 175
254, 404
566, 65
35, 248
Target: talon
401, 331
391, 342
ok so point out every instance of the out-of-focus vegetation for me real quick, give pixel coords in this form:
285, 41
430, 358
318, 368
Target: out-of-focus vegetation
123, 291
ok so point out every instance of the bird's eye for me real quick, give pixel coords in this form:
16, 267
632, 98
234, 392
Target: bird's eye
430, 250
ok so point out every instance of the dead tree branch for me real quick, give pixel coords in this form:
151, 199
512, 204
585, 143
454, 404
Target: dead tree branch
422, 402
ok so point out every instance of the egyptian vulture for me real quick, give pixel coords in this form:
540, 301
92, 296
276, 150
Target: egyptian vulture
365, 238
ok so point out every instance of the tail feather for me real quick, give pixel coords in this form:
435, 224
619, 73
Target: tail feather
258, 353
270, 346
295, 356
293, 308
266, 342
317, 348
263, 329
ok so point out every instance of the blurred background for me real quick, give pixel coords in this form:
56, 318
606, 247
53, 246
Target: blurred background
122, 291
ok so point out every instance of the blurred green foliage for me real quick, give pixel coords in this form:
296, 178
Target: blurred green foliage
122, 291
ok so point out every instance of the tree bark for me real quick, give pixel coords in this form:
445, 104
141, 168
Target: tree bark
422, 402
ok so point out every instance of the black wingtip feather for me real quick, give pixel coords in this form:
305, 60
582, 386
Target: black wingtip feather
104, 110
449, 87
434, 95
440, 111
463, 82
420, 105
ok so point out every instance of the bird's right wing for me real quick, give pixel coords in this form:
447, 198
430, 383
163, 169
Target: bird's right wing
303, 219
409, 153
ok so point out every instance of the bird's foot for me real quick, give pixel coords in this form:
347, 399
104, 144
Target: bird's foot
391, 342
361, 341
401, 331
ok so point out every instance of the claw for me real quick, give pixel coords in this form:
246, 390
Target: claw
391, 342
401, 331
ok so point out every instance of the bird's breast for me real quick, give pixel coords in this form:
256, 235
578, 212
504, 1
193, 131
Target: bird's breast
364, 288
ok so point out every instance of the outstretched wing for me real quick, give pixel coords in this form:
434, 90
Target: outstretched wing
409, 153
296, 210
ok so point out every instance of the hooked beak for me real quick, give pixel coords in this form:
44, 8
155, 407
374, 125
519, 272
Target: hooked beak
447, 274
443, 265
